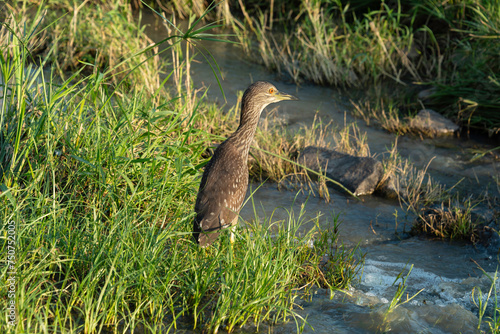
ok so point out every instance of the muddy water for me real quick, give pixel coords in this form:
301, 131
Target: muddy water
446, 272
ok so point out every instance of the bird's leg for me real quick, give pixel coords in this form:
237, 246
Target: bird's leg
232, 229
232, 238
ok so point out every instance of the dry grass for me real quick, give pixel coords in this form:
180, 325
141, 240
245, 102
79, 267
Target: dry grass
197, 8
386, 116
351, 141
322, 48
416, 188
20, 24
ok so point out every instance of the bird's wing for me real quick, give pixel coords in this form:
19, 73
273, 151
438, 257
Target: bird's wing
213, 205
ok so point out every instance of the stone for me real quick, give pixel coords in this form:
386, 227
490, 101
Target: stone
451, 318
360, 175
429, 121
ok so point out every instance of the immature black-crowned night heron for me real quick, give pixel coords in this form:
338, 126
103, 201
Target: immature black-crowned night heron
225, 179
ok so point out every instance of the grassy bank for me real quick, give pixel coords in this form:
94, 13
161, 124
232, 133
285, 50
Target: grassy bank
99, 175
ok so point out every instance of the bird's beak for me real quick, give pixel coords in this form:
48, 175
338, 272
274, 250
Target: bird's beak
284, 96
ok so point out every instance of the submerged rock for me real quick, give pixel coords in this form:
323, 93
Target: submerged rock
360, 175
429, 121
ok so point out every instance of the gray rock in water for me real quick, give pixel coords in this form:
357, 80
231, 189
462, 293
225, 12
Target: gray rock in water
360, 175
429, 121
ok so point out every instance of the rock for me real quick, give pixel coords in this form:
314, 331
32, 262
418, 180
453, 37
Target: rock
360, 175
429, 121
451, 318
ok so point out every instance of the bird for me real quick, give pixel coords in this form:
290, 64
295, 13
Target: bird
224, 182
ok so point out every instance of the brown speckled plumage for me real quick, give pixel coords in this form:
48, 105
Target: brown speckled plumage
225, 179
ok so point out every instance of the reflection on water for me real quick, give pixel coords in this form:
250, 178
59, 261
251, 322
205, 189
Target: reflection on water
447, 271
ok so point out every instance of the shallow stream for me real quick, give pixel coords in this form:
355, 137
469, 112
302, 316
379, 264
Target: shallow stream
446, 271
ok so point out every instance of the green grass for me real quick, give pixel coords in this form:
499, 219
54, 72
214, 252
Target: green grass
397, 300
99, 176
488, 317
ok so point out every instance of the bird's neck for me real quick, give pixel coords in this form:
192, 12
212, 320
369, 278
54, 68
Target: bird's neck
249, 119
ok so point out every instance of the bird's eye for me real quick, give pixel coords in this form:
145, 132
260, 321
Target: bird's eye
271, 90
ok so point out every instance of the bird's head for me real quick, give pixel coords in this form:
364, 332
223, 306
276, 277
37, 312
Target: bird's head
263, 93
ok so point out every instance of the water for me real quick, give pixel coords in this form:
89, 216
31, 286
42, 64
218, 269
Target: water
445, 271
